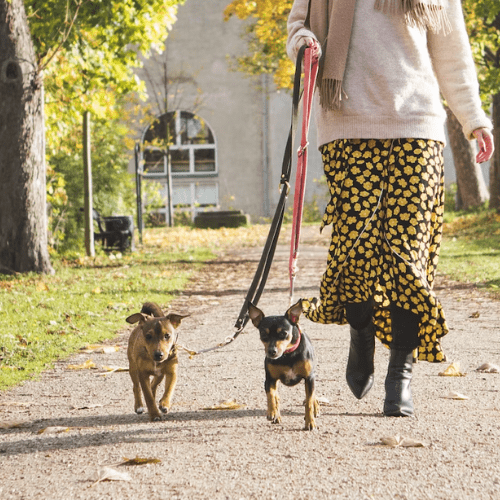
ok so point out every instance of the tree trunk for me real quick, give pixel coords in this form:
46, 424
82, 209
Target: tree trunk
23, 218
495, 160
471, 188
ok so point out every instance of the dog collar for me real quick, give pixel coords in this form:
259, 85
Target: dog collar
291, 349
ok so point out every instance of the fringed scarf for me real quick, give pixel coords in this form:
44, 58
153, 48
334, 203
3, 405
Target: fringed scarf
331, 22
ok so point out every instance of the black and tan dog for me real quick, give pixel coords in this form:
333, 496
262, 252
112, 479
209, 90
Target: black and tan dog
289, 359
152, 352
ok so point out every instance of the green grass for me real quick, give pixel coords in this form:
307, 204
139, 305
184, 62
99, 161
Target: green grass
471, 249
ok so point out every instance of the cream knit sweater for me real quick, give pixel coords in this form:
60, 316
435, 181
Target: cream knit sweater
393, 77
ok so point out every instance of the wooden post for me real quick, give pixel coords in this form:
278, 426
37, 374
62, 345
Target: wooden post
87, 181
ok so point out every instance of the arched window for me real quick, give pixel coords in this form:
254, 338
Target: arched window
190, 143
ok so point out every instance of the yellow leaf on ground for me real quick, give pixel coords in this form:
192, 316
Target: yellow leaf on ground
84, 366
42, 287
229, 404
140, 461
452, 370
100, 349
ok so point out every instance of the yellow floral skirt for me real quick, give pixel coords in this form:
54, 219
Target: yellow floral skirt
386, 212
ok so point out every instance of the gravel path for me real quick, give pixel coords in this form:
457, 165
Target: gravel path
238, 454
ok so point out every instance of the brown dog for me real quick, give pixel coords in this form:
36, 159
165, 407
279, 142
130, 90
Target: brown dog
152, 352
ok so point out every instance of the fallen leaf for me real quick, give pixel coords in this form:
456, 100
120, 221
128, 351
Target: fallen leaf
53, 430
229, 404
488, 368
84, 366
96, 291
404, 442
11, 424
113, 369
452, 370
474, 315
86, 407
109, 474
140, 461
455, 395
100, 349
42, 287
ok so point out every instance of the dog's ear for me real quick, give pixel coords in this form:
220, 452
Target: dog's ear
176, 319
256, 315
293, 314
137, 318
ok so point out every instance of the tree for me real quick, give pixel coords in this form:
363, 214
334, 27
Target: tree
23, 226
483, 24
471, 188
95, 44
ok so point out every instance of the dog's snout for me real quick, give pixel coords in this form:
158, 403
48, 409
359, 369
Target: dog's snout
272, 351
158, 355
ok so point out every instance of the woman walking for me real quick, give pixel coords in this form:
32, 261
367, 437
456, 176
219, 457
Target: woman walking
380, 121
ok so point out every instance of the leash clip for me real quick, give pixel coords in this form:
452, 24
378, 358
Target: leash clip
302, 149
287, 185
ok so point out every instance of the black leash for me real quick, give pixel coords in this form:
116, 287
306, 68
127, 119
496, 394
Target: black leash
262, 272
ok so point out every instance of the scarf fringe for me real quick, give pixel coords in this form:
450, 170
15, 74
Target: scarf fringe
422, 15
330, 93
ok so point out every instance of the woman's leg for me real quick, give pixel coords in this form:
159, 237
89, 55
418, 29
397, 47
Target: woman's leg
360, 367
398, 396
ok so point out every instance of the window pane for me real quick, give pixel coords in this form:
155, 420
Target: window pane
206, 194
194, 130
180, 160
153, 162
204, 160
156, 134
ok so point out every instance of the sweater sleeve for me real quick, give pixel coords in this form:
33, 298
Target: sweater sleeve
455, 71
296, 29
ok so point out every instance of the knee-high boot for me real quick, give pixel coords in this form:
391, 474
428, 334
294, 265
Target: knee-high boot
398, 398
360, 368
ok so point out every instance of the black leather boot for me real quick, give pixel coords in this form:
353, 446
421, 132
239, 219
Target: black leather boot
360, 368
398, 399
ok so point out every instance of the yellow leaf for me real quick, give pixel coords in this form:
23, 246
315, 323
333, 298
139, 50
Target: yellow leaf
42, 287
84, 366
96, 291
140, 461
452, 370
229, 404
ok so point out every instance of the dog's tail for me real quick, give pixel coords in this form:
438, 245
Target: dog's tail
152, 309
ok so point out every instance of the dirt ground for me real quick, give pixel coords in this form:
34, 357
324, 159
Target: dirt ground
88, 419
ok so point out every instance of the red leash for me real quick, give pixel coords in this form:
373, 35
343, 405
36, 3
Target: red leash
310, 72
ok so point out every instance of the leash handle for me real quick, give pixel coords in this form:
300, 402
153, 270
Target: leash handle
310, 74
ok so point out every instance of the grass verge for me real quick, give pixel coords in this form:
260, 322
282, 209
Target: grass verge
471, 250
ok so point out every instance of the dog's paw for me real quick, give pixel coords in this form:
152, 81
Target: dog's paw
310, 426
140, 410
275, 419
155, 418
164, 409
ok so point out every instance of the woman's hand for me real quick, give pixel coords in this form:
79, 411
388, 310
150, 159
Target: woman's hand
485, 144
312, 43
